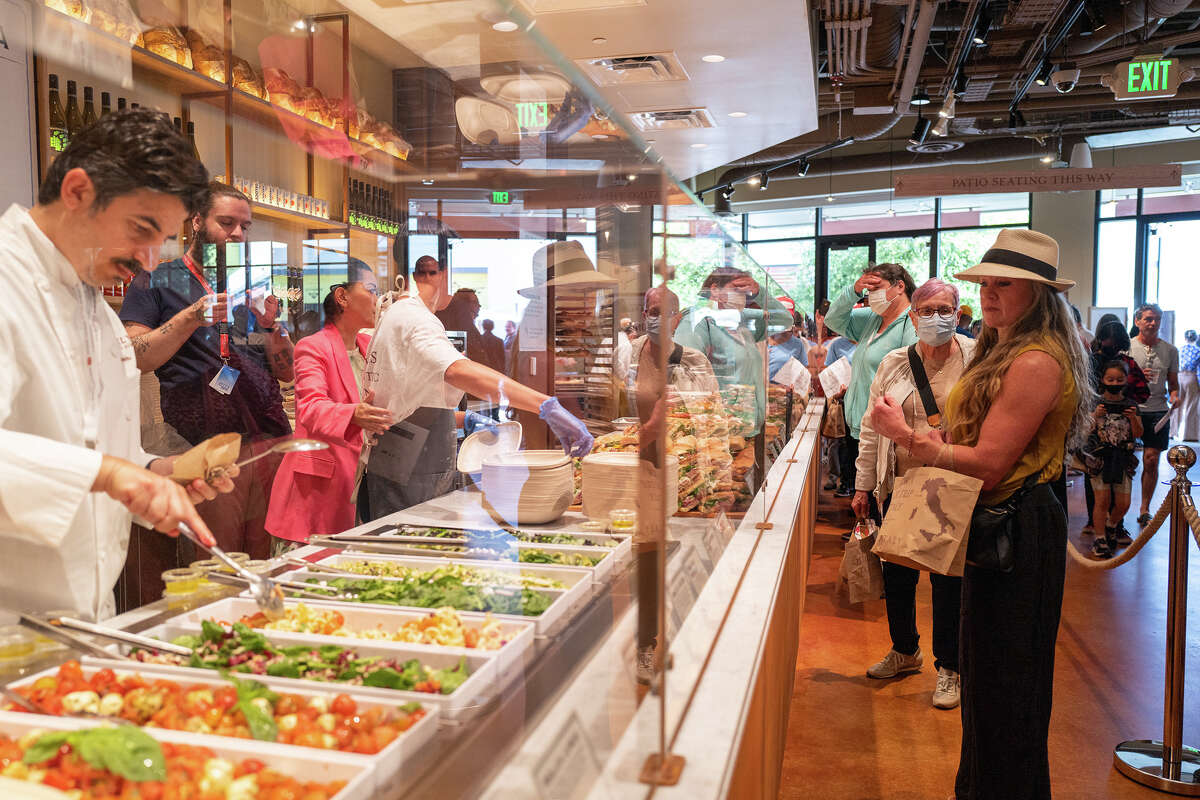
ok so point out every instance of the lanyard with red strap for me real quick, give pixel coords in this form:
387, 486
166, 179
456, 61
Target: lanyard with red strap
195, 270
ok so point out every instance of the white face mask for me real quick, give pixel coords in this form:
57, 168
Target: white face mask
936, 330
652, 326
878, 301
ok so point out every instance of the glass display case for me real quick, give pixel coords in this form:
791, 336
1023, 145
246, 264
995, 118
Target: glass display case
481, 601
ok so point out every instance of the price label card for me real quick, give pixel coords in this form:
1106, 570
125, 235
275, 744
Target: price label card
569, 768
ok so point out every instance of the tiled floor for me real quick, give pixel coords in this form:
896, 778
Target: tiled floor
854, 738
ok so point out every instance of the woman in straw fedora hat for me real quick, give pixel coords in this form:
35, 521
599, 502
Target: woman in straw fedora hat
1025, 394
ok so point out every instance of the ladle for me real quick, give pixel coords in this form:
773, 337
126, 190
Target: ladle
286, 446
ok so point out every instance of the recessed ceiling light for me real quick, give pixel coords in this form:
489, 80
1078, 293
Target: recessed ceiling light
599, 136
713, 58
599, 40
505, 26
737, 114
699, 145
427, 181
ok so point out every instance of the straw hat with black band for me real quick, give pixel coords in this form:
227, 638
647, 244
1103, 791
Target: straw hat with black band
1019, 253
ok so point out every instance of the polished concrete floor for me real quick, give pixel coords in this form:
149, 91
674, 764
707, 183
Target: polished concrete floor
854, 738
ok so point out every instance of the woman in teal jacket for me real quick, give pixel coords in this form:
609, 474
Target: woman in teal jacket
877, 330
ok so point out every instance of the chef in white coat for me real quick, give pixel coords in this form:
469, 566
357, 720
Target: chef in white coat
72, 471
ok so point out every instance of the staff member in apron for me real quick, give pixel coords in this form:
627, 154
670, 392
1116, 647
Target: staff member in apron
418, 375
72, 470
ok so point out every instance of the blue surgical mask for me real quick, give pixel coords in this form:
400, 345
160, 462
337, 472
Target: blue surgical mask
652, 326
937, 329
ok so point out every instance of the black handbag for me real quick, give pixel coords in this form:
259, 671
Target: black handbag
991, 543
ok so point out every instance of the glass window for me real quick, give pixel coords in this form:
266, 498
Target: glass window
1116, 254
883, 215
1118, 203
689, 261
788, 224
975, 210
958, 250
1171, 199
911, 252
792, 265
846, 263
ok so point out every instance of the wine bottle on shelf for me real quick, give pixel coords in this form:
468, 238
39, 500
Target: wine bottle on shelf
372, 211
178, 125
120, 104
74, 117
191, 135
59, 137
377, 207
134, 106
352, 214
105, 104
89, 107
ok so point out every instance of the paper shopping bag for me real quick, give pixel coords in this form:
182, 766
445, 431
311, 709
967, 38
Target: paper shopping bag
861, 569
927, 524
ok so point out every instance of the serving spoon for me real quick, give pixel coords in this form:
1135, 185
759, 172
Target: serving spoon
286, 446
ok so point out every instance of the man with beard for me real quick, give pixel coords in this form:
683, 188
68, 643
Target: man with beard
72, 470
213, 378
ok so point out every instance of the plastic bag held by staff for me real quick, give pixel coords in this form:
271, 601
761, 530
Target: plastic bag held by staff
210, 456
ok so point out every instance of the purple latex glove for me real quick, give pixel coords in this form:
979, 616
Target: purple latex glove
576, 440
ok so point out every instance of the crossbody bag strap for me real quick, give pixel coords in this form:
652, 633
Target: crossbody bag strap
932, 414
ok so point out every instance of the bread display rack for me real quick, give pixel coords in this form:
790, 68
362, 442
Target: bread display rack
582, 369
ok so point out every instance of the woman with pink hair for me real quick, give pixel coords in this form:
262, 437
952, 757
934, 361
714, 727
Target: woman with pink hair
942, 355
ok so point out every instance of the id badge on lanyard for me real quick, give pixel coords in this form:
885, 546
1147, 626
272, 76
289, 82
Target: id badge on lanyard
227, 376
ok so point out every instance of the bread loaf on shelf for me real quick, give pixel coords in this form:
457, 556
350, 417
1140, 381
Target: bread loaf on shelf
246, 79
208, 59
116, 17
168, 42
72, 8
339, 110
283, 91
315, 106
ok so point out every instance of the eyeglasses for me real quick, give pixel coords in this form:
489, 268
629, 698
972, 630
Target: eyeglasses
941, 311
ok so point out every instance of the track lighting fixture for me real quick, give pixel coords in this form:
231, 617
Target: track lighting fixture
754, 180
941, 127
947, 109
727, 193
1043, 73
1091, 21
960, 84
982, 26
763, 180
920, 130
803, 167
921, 98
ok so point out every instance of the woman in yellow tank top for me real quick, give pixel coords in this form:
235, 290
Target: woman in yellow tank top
1024, 396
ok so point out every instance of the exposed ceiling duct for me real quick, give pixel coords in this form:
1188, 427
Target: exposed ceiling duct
1121, 19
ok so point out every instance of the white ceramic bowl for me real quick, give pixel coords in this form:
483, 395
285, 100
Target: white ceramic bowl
528, 487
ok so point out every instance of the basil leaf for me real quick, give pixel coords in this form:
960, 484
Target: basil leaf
262, 725
387, 678
44, 748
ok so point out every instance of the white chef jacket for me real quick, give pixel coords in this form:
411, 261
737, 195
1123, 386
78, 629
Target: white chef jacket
407, 359
62, 546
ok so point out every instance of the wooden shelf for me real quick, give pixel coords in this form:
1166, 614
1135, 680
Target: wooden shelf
287, 215
324, 142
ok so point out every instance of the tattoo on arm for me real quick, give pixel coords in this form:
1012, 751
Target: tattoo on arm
140, 345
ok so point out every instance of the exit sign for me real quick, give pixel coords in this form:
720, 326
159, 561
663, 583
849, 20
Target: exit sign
501, 198
1147, 78
533, 116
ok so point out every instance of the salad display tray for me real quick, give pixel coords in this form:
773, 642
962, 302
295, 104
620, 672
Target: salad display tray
510, 659
388, 765
470, 698
564, 604
301, 763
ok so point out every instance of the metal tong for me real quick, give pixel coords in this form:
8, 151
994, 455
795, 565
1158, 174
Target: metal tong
266, 594
60, 629
294, 588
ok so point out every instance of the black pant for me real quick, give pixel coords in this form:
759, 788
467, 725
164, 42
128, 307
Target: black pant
1009, 626
848, 453
900, 597
900, 593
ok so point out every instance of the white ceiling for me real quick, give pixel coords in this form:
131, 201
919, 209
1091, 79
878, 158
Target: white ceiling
767, 73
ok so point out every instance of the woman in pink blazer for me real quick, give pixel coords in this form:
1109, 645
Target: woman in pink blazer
312, 491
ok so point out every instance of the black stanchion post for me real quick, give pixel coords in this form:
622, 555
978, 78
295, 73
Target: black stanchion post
1169, 765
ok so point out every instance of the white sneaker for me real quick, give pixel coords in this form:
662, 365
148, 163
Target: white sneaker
948, 688
895, 663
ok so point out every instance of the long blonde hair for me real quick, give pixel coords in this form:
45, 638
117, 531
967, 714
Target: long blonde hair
1047, 322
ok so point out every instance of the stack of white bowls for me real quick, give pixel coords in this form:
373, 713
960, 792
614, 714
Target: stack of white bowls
528, 487
611, 480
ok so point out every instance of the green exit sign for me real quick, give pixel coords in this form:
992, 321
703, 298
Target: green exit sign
533, 116
1147, 78
501, 198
